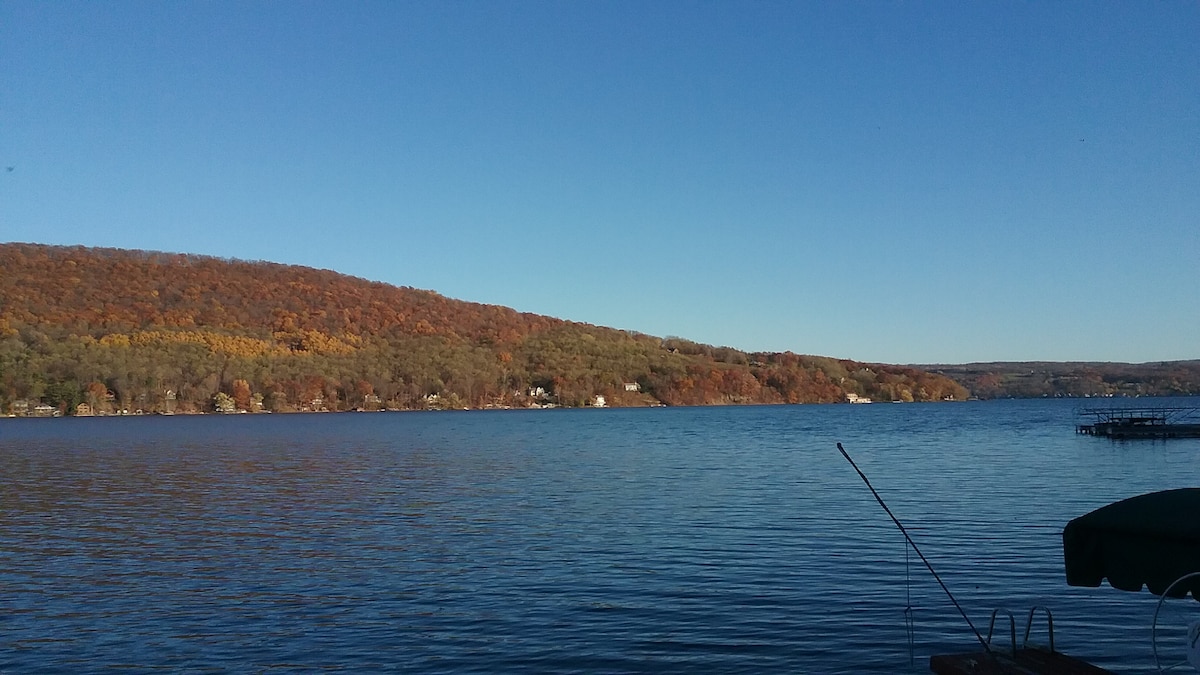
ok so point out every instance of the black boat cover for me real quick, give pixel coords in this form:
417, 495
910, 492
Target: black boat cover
1149, 540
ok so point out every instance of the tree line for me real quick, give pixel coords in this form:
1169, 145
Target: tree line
121, 330
1076, 379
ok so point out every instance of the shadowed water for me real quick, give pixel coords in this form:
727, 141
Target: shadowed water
656, 540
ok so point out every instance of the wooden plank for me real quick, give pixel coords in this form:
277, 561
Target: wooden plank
1027, 662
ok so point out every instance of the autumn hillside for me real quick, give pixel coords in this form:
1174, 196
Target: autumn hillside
1040, 379
131, 330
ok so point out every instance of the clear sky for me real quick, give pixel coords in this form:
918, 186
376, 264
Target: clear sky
898, 182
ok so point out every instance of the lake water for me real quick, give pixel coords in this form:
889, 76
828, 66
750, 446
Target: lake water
697, 540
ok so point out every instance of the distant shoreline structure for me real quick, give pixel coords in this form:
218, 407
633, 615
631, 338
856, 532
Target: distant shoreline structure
1142, 422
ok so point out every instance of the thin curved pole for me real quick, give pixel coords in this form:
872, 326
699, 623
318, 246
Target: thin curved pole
1154, 622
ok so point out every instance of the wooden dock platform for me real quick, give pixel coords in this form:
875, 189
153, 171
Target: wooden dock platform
1024, 662
1142, 422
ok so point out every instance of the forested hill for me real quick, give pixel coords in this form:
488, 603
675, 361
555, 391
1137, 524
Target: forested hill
132, 330
1075, 379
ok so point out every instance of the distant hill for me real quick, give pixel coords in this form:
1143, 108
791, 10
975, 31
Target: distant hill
120, 330
1074, 379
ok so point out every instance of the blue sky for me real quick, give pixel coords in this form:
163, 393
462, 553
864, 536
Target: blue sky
898, 182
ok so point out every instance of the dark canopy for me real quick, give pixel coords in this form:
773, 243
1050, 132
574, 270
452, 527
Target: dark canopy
1149, 540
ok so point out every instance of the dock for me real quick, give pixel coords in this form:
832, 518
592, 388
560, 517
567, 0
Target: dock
1141, 422
1029, 661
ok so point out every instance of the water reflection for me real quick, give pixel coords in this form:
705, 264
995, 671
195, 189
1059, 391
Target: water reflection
676, 540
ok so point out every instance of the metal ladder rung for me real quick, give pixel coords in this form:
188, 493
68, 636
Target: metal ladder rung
1029, 626
1012, 627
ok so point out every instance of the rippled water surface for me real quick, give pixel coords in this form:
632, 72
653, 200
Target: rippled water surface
652, 540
